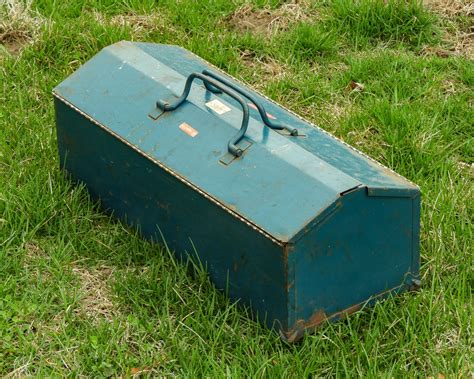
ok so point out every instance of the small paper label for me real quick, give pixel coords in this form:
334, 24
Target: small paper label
188, 129
217, 106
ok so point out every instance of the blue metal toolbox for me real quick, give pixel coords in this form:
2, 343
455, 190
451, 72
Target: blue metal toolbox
292, 221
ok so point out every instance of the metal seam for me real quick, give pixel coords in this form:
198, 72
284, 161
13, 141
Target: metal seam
303, 119
169, 171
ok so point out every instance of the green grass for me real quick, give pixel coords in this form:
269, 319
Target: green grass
307, 41
80, 294
390, 21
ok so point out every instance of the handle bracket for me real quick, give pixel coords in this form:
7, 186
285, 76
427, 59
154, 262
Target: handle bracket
232, 144
263, 114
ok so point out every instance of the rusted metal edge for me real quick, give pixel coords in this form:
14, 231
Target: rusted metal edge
319, 317
171, 172
303, 119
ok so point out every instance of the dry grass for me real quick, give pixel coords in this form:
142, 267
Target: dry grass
448, 340
95, 294
140, 24
461, 44
338, 109
19, 25
329, 114
469, 168
464, 44
35, 256
263, 68
451, 8
33, 251
461, 41
268, 21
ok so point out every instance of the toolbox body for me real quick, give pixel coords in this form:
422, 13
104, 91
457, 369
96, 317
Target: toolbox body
289, 219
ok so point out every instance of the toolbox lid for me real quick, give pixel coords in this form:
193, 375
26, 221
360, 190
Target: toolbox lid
279, 185
379, 180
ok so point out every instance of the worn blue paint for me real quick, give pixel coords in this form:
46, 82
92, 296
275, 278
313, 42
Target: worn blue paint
368, 241
302, 228
134, 189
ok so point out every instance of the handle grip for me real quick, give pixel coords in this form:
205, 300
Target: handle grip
232, 145
261, 110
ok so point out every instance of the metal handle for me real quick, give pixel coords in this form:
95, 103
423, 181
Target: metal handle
261, 110
232, 145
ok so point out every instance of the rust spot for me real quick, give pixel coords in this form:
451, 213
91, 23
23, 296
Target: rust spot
232, 207
287, 249
285, 252
318, 318
297, 331
164, 206
347, 312
415, 285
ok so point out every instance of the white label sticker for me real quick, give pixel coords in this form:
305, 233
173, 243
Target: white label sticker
217, 106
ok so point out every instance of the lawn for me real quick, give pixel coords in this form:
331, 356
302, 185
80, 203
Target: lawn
83, 295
